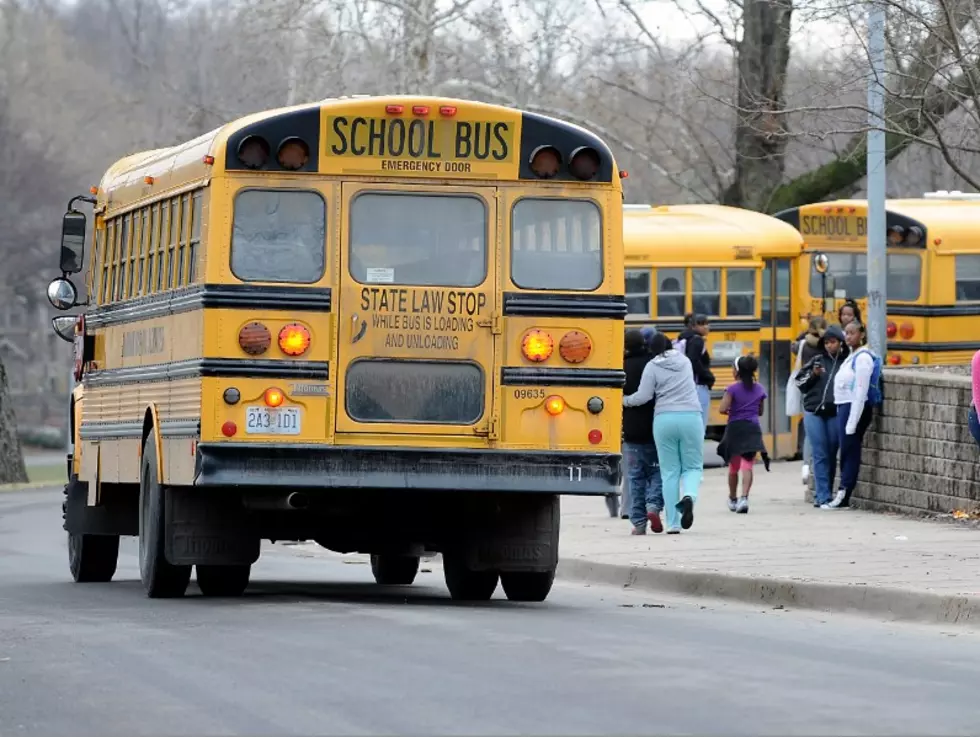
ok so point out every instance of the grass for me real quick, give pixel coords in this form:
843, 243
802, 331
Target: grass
47, 473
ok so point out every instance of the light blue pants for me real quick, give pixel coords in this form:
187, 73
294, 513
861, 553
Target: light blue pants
680, 445
704, 396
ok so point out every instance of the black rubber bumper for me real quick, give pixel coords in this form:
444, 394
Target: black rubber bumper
338, 467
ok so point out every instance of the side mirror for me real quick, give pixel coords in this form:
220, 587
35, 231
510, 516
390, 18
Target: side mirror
64, 327
62, 294
821, 263
73, 228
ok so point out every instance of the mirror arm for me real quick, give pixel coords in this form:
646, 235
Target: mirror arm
83, 198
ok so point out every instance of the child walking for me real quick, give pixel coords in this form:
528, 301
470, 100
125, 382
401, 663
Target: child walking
744, 402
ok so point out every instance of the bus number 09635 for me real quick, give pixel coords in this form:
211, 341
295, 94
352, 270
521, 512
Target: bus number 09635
529, 394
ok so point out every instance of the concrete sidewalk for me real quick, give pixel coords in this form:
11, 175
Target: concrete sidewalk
785, 552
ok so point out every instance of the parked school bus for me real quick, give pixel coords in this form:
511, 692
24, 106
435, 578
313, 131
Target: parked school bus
933, 261
390, 325
736, 267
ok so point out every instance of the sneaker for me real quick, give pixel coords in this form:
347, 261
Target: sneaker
639, 530
673, 531
655, 523
732, 504
838, 498
806, 473
827, 506
743, 505
686, 505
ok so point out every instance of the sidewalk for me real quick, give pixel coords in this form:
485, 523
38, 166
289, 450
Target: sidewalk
785, 552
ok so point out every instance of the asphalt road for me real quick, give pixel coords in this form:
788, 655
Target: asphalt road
315, 648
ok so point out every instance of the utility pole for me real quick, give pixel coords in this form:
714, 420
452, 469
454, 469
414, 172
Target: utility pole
877, 237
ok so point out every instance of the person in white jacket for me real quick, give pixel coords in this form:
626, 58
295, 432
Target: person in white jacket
851, 386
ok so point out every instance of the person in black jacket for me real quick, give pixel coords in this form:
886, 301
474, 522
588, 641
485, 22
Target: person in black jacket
816, 381
691, 343
639, 449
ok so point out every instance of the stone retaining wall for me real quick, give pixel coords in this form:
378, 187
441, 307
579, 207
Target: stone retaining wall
919, 456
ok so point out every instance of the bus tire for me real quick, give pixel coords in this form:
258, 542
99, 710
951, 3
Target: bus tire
464, 583
527, 585
91, 558
226, 581
161, 580
394, 570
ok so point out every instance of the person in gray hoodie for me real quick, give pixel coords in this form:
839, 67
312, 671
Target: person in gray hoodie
678, 429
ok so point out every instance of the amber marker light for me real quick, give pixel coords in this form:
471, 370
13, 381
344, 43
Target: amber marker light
294, 339
575, 346
907, 330
273, 397
555, 405
537, 345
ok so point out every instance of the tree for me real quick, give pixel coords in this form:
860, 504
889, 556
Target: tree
12, 468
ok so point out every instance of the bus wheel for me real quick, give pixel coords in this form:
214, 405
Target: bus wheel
223, 580
160, 579
465, 584
527, 585
394, 570
92, 558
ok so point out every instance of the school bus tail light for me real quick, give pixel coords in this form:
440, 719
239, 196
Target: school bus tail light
273, 397
545, 161
891, 329
293, 153
907, 330
394, 109
894, 360
575, 346
537, 345
420, 110
595, 436
294, 339
584, 163
554, 405
448, 110
253, 152
254, 338
229, 429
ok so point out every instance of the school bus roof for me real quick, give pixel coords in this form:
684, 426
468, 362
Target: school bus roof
183, 166
955, 223
701, 233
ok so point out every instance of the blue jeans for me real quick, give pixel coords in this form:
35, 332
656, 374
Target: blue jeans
974, 423
821, 434
704, 396
850, 447
643, 480
680, 443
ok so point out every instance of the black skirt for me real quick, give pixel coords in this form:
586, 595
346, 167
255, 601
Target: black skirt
742, 438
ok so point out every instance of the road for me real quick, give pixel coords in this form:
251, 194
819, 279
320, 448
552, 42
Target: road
315, 648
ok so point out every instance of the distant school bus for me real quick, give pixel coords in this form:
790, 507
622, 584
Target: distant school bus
933, 262
389, 325
735, 266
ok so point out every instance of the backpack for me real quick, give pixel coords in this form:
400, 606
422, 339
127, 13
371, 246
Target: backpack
680, 345
875, 394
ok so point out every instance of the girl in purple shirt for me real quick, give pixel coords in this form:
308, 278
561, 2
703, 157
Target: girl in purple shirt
744, 402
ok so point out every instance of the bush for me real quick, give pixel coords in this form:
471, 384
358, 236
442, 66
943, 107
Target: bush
49, 438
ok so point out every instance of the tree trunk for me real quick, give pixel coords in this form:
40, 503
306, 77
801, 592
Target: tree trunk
12, 469
760, 135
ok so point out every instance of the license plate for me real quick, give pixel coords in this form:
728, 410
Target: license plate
726, 351
273, 421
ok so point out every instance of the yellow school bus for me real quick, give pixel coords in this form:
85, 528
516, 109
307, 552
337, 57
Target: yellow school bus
733, 265
390, 325
933, 261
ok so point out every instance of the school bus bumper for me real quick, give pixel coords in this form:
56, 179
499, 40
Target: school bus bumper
410, 469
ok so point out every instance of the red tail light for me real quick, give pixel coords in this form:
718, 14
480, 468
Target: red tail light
890, 329
907, 330
420, 110
394, 109
447, 110
894, 360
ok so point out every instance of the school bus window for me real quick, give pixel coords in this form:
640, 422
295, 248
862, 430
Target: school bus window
195, 235
904, 277
446, 393
556, 244
706, 291
123, 255
670, 292
144, 245
172, 242
155, 259
850, 272
279, 236
740, 292
106, 262
185, 224
95, 273
638, 291
968, 278
420, 240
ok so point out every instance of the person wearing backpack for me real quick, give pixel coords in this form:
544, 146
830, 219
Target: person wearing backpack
691, 342
857, 390
972, 418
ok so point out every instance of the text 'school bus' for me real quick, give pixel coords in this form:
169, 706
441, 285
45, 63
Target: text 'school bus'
933, 260
726, 263
389, 325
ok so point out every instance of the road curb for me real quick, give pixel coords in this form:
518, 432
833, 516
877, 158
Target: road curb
890, 603
27, 487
